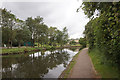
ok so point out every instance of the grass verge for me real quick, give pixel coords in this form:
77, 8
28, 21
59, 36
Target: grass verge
76, 45
105, 70
14, 50
5, 51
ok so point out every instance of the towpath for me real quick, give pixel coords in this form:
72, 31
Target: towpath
83, 67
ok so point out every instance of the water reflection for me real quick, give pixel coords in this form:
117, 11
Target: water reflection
37, 65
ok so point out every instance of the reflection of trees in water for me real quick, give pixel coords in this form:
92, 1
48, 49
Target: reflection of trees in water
31, 67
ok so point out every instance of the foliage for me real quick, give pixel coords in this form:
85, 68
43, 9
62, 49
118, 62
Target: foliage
8, 24
103, 32
103, 69
16, 32
82, 41
72, 42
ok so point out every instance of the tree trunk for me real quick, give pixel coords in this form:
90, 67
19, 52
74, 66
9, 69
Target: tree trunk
19, 45
11, 44
38, 44
33, 43
8, 46
41, 44
2, 44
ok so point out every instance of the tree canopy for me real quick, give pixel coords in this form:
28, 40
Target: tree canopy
103, 31
16, 32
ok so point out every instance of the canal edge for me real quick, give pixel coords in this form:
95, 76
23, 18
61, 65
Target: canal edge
69, 68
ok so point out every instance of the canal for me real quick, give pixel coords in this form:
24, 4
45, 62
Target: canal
45, 64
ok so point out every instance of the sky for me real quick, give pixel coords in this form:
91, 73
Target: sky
56, 13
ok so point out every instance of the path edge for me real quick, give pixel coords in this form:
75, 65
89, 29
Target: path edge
93, 67
63, 74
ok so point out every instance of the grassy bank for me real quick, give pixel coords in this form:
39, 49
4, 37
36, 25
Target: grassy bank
76, 45
27, 49
105, 70
24, 49
14, 50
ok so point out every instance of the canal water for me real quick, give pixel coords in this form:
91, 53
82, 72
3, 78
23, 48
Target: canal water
45, 64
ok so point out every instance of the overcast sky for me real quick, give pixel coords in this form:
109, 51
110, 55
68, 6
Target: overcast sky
58, 14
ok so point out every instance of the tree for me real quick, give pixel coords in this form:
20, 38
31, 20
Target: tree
5, 35
65, 35
33, 24
15, 32
42, 34
59, 38
52, 35
8, 20
103, 32
23, 35
72, 42
82, 41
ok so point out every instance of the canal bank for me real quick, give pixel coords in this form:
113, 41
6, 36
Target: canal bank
80, 67
30, 49
67, 71
48, 64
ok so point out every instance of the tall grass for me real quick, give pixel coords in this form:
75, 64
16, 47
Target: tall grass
103, 68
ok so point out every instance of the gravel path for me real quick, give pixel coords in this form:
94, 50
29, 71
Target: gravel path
83, 67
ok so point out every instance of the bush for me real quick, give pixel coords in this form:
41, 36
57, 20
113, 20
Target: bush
82, 41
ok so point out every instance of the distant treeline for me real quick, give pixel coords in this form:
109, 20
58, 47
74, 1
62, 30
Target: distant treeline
103, 32
16, 32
